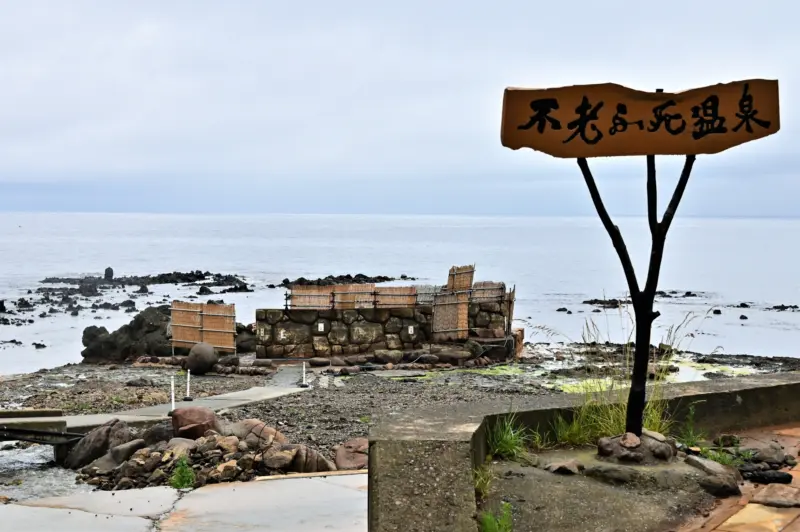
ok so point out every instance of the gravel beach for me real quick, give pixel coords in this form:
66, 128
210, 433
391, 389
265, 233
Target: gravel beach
325, 417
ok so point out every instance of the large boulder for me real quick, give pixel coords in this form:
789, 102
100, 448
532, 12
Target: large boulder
97, 442
192, 422
255, 433
245, 339
201, 359
352, 454
109, 274
157, 433
296, 458
146, 334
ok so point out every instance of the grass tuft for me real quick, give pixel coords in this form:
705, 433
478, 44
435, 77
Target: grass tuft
721, 457
483, 478
504, 522
183, 475
689, 435
507, 438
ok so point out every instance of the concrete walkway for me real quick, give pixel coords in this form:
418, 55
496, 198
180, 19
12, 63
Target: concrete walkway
154, 414
301, 504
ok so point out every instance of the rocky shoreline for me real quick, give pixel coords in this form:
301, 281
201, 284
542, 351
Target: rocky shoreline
80, 295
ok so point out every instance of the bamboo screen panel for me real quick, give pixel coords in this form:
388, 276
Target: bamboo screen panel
426, 292
488, 291
352, 296
396, 296
187, 324
460, 278
450, 316
193, 323
219, 326
315, 297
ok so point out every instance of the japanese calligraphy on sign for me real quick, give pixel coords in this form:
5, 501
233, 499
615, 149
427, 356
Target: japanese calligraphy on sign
609, 120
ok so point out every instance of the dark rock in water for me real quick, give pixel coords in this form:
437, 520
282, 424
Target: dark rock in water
562, 309
146, 334
201, 359
109, 274
742, 305
88, 290
710, 375
332, 280
39, 345
768, 477
43, 315
716, 312
742, 317
24, 304
245, 339
97, 443
128, 303
142, 290
205, 291
239, 287
781, 308
607, 303
2, 306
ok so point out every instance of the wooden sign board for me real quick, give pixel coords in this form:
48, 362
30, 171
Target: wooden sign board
608, 120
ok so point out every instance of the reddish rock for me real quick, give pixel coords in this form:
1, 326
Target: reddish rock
352, 454
630, 440
192, 422
255, 433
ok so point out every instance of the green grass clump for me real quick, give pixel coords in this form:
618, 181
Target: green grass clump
689, 435
183, 475
483, 478
507, 438
490, 522
721, 457
603, 413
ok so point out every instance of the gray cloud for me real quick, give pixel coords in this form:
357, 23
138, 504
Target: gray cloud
281, 96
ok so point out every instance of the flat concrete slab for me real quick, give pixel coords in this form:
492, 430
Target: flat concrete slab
154, 414
337, 503
147, 502
27, 519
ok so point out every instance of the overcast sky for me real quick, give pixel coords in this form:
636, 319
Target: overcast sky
363, 106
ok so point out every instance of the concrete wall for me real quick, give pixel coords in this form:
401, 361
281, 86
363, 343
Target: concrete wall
305, 333
434, 450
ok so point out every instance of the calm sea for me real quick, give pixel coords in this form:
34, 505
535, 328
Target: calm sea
554, 262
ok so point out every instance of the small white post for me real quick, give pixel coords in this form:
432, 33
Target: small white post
188, 377
172, 391
304, 375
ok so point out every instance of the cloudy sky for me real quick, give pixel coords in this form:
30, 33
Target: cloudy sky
362, 106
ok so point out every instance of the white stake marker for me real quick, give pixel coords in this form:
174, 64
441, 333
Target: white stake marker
172, 391
304, 374
188, 376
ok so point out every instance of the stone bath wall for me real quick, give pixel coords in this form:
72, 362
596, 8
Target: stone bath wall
305, 333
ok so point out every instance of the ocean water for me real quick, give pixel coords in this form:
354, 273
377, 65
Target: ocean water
553, 262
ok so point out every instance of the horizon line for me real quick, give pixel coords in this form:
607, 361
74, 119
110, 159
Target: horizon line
393, 215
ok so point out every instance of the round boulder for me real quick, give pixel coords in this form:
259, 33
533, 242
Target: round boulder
201, 358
